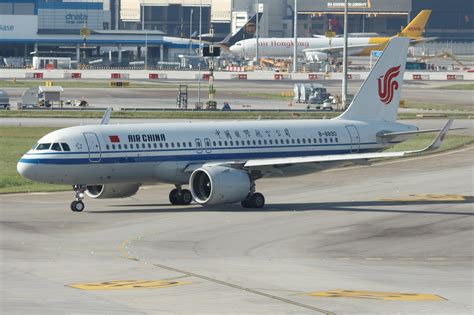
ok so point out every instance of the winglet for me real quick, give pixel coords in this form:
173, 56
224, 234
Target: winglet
105, 119
438, 141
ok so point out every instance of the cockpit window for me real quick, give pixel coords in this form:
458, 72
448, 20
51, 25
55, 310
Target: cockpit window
56, 147
43, 146
65, 146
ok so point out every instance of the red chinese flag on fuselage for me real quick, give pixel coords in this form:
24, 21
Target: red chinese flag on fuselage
114, 139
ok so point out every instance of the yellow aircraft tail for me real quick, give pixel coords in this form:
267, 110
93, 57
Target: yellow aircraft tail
417, 26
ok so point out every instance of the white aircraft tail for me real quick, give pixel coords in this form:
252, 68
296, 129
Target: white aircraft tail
379, 96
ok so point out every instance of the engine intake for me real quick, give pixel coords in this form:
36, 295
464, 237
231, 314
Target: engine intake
219, 185
112, 191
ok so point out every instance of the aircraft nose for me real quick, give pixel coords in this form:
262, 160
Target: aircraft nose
26, 170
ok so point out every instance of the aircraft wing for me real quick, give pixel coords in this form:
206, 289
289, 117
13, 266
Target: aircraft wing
331, 49
420, 40
354, 157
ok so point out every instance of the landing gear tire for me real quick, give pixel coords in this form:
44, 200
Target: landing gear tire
77, 206
256, 200
183, 198
186, 197
174, 197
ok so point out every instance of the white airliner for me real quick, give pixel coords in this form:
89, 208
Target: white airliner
319, 47
222, 160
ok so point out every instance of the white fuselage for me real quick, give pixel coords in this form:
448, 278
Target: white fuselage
144, 153
283, 47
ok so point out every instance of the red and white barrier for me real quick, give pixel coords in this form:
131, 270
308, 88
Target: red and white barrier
452, 77
280, 76
240, 76
312, 76
34, 75
157, 76
72, 75
120, 76
353, 76
421, 77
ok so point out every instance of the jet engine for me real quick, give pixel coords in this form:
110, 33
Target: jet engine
316, 56
112, 190
219, 185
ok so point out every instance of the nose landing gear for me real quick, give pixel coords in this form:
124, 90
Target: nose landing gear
77, 205
180, 196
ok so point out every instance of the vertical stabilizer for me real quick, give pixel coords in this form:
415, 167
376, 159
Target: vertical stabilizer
379, 96
245, 32
417, 26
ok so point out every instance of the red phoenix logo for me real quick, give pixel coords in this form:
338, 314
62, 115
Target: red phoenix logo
387, 87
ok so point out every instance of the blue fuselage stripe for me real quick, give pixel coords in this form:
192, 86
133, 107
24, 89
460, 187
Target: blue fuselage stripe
184, 157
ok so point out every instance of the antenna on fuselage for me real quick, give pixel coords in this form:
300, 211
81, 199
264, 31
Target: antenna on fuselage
105, 119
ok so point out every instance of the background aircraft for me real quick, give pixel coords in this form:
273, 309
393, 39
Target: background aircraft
318, 48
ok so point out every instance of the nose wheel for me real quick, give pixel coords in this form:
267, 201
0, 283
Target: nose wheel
180, 196
77, 205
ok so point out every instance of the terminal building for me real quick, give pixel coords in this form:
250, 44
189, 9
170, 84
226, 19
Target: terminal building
123, 28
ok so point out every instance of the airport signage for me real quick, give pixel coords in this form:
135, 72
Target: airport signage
75, 18
307, 6
7, 28
18, 26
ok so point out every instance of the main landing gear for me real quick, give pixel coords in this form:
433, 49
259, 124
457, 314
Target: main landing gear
254, 200
77, 205
180, 196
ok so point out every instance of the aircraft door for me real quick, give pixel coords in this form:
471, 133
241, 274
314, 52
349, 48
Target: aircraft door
198, 146
355, 138
207, 145
94, 146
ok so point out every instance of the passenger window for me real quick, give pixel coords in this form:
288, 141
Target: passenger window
65, 146
220, 143
190, 144
330, 140
125, 146
161, 145
304, 140
113, 146
56, 147
167, 145
337, 140
225, 143
325, 140
236, 142
107, 147
43, 146
287, 141
138, 146
143, 146
119, 146
298, 141
184, 144
214, 143
231, 143
265, 142
172, 144
248, 142
259, 142
155, 145
149, 145
254, 142
271, 141
320, 140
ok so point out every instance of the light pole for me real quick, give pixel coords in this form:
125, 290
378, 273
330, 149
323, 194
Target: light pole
256, 35
143, 15
146, 50
200, 27
344, 60
295, 30
191, 32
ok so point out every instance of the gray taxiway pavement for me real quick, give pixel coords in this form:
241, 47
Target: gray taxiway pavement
401, 230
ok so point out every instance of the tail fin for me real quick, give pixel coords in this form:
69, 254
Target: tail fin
417, 26
245, 32
379, 96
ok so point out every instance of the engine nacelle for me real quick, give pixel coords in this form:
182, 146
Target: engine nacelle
112, 190
219, 185
316, 56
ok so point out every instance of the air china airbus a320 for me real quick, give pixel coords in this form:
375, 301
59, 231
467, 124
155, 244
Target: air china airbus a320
222, 160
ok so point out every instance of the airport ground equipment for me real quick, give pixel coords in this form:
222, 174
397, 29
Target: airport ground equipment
182, 99
4, 100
